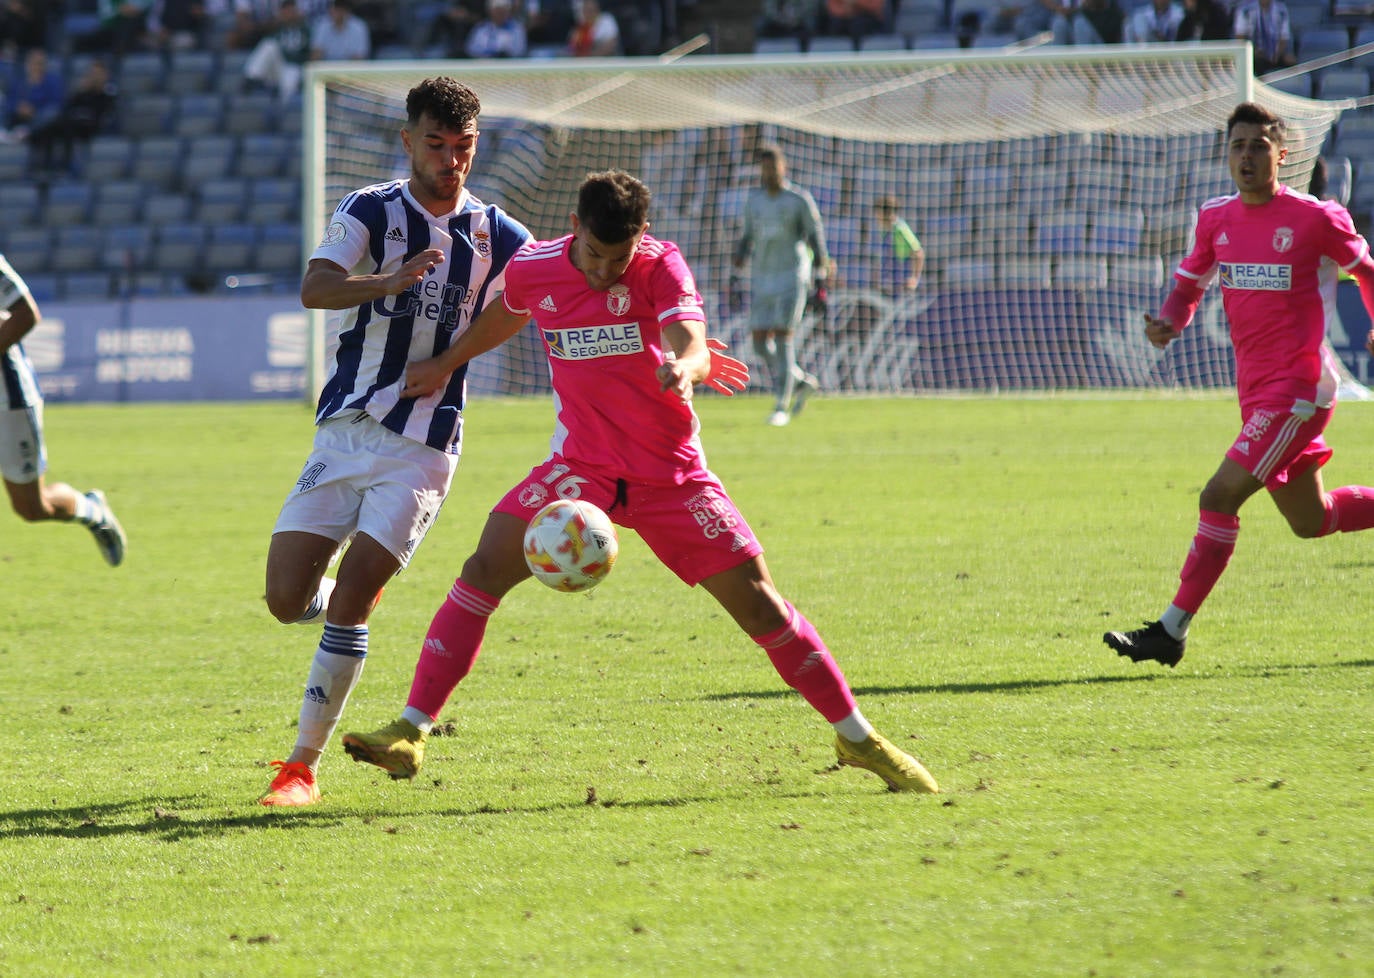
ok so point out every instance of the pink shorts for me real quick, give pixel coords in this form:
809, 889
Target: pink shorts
693, 528
1279, 443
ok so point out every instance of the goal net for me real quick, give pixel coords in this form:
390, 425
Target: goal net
1053, 191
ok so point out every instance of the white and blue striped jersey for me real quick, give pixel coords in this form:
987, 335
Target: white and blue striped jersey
17, 379
374, 231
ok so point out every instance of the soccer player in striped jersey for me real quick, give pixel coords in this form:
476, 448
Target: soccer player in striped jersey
625, 334
404, 266
23, 457
1265, 244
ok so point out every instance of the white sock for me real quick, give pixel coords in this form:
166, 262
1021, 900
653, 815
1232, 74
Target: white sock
86, 511
422, 720
319, 604
854, 728
1175, 621
334, 672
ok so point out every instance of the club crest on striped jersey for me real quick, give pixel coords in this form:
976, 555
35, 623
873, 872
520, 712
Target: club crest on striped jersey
618, 299
333, 234
481, 243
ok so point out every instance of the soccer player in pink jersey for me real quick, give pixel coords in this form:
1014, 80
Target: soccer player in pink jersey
1265, 244
625, 334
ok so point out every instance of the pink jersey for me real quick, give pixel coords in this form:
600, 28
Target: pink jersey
1267, 257
604, 349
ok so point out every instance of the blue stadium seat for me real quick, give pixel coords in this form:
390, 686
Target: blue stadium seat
158, 160
127, 247
107, 157
14, 161
191, 71
77, 248
231, 248
777, 45
1136, 272
280, 250
20, 203
198, 114
29, 249
264, 154
273, 200
148, 114
139, 73
221, 201
229, 78
882, 42
1116, 232
830, 45
200, 167
969, 273
69, 202
1339, 83
1080, 273
1024, 273
79, 286
1318, 42
250, 113
118, 202
1061, 233
179, 248
167, 207
44, 286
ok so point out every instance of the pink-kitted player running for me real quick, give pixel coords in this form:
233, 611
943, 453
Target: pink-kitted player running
1264, 243
625, 333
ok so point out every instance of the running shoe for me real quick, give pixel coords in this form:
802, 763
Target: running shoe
1150, 642
900, 770
109, 535
398, 748
293, 787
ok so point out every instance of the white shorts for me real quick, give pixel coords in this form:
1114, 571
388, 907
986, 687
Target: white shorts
23, 459
362, 477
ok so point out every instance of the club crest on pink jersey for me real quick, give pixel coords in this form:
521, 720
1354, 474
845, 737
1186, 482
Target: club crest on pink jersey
1283, 239
534, 496
618, 299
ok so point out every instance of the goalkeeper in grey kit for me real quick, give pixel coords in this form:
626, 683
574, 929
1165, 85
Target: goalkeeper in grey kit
783, 243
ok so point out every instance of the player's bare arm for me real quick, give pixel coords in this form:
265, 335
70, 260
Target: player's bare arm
16, 322
327, 286
691, 361
493, 326
1363, 274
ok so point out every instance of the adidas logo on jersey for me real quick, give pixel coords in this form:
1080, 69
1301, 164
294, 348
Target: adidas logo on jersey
547, 305
1243, 447
1222, 239
395, 234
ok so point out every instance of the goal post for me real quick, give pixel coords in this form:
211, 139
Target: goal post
1053, 191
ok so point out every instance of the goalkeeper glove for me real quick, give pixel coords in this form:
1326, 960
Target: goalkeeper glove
726, 374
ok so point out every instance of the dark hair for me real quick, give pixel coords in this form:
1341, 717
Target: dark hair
450, 103
769, 151
886, 203
1249, 112
613, 205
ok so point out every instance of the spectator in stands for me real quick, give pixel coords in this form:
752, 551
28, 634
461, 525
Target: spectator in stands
250, 22
1264, 23
1154, 22
179, 25
788, 18
499, 34
901, 259
1072, 21
23, 25
640, 23
33, 95
340, 35
451, 26
548, 23
595, 32
278, 61
23, 458
854, 18
783, 243
85, 111
1205, 20
124, 25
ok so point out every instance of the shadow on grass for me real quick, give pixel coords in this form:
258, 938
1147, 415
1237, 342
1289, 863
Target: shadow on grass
1150, 673
159, 818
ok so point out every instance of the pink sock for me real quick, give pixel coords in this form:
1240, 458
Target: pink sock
451, 647
1348, 509
1207, 558
802, 660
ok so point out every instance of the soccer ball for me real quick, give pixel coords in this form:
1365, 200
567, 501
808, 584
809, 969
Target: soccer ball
570, 545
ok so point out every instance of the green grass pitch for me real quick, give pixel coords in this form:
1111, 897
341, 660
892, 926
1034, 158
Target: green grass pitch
629, 790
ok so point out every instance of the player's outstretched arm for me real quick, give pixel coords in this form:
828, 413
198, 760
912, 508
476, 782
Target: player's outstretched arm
492, 327
327, 286
691, 360
1363, 274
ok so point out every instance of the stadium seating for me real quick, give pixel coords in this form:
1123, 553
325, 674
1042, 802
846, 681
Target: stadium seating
1338, 83
1320, 42
14, 161
126, 247
68, 202
231, 248
107, 157
777, 45
221, 201
84, 286
20, 202
117, 202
